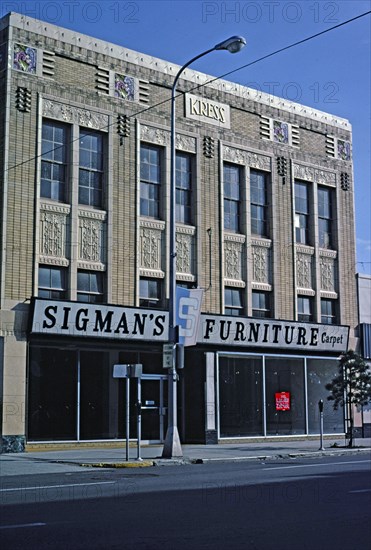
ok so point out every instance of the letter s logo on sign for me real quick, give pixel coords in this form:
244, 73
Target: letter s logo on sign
188, 314
188, 308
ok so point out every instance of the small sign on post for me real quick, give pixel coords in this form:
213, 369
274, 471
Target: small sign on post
167, 356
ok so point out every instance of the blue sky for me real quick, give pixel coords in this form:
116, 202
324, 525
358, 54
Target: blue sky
330, 73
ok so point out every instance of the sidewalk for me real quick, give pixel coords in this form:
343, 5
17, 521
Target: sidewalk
78, 459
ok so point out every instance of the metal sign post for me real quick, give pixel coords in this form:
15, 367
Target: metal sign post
139, 418
127, 432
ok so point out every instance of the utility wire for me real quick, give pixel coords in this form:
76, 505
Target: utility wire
211, 81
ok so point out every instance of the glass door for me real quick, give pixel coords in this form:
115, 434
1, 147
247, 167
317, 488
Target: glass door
154, 407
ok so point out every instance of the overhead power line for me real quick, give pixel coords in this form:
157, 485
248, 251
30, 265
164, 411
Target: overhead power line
280, 50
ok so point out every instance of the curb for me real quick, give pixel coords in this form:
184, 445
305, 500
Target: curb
138, 464
229, 459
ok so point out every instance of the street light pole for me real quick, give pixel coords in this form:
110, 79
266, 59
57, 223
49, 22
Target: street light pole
172, 447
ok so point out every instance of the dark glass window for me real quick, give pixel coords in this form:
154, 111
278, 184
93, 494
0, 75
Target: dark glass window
233, 301
305, 309
150, 181
258, 203
52, 282
52, 382
260, 304
53, 161
183, 180
325, 217
328, 312
285, 375
150, 293
240, 396
91, 168
232, 194
301, 213
90, 286
319, 373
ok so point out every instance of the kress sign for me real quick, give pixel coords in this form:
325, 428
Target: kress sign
206, 110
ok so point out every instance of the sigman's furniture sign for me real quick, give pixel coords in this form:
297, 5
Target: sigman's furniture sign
103, 321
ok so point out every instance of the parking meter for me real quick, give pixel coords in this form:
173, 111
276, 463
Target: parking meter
320, 406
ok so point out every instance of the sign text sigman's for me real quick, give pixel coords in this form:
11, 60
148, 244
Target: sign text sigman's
103, 321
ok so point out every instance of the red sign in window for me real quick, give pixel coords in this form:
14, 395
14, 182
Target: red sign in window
283, 401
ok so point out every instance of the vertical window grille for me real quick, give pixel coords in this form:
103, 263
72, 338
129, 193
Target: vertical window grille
232, 194
53, 161
258, 203
91, 168
150, 181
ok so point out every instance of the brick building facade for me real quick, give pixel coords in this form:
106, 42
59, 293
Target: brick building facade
265, 225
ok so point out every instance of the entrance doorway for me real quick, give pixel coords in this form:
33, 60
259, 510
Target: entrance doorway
154, 407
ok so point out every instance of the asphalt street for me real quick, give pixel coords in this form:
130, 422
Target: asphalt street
298, 503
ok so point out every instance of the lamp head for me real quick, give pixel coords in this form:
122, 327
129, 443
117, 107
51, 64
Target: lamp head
233, 44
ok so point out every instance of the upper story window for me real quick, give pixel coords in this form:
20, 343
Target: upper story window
325, 217
260, 304
232, 197
90, 286
305, 309
258, 203
150, 181
301, 213
233, 302
54, 161
52, 282
91, 168
183, 182
328, 312
150, 293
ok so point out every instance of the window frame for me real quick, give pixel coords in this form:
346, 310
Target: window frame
259, 203
302, 214
325, 219
51, 291
232, 201
150, 201
57, 187
93, 296
94, 192
303, 315
147, 300
231, 307
331, 315
261, 312
183, 189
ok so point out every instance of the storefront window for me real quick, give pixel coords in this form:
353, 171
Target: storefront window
240, 396
285, 396
319, 373
56, 412
96, 386
52, 395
